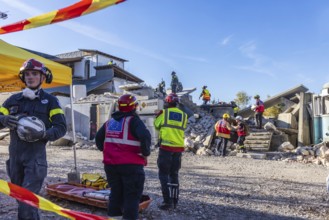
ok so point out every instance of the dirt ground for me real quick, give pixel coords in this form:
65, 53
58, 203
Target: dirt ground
211, 187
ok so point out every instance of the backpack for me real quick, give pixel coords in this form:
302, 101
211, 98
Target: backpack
246, 128
94, 180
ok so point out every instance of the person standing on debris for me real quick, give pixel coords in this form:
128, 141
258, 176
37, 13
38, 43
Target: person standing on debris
259, 111
162, 87
223, 132
205, 94
125, 142
171, 123
174, 82
235, 107
27, 164
242, 132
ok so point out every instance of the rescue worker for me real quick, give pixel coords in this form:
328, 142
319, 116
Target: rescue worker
223, 132
174, 82
259, 111
242, 132
125, 142
27, 164
162, 88
235, 107
205, 94
171, 123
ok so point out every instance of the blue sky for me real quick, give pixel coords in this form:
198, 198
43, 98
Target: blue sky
258, 46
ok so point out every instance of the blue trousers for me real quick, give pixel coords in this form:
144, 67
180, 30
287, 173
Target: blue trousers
30, 175
127, 184
169, 164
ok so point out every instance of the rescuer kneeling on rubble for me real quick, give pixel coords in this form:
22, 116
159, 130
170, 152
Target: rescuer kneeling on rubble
125, 142
27, 164
171, 123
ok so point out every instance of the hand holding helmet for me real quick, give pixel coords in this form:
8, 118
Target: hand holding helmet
31, 129
32, 134
9, 121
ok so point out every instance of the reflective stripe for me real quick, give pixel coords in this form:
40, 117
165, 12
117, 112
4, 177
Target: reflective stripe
4, 111
165, 123
55, 112
124, 139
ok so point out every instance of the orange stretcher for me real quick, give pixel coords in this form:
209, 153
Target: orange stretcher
76, 192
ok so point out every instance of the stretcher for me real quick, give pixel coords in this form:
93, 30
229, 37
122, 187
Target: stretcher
87, 195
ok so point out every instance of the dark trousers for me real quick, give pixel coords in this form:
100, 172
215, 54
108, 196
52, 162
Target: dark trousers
241, 140
205, 101
174, 88
222, 145
169, 164
259, 118
29, 175
127, 184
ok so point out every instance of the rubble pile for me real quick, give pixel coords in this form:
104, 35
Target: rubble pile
199, 133
317, 154
99, 98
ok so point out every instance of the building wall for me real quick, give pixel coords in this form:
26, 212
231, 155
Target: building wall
95, 60
103, 60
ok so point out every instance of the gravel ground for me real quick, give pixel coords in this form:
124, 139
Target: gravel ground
211, 187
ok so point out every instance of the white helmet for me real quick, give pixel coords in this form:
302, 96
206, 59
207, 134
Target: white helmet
29, 122
239, 118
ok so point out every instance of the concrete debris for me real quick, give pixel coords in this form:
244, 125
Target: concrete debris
199, 133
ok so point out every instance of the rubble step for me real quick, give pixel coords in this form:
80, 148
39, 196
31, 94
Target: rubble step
250, 137
260, 133
257, 147
267, 141
252, 155
258, 141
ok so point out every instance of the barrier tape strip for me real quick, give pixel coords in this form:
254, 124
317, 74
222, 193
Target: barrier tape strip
39, 202
78, 9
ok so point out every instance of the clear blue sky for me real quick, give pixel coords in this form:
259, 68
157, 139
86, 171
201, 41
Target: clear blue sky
258, 46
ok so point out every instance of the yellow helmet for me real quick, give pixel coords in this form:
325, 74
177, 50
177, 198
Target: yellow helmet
226, 115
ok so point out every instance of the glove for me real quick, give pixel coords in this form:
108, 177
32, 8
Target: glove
33, 135
9, 121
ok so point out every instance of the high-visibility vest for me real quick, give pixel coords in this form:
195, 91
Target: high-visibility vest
260, 107
236, 109
171, 125
120, 147
206, 94
222, 130
241, 131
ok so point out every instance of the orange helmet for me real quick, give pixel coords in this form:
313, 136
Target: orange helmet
172, 98
127, 103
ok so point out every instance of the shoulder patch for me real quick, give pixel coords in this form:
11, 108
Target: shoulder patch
44, 101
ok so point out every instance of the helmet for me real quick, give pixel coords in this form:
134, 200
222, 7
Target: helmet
256, 97
239, 118
204, 87
29, 122
226, 115
127, 103
172, 98
173, 73
33, 64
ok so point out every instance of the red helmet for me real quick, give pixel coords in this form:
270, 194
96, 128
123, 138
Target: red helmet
172, 98
127, 103
33, 64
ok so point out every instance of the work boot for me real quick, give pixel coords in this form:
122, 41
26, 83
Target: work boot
165, 206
